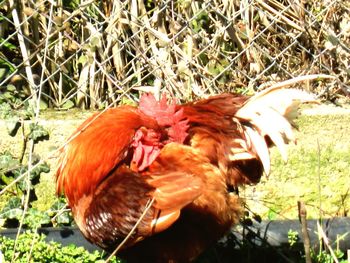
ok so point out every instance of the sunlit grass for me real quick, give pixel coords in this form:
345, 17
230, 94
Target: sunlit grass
317, 172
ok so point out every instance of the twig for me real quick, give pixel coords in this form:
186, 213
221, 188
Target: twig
27, 197
298, 79
24, 52
326, 242
280, 15
319, 178
60, 54
58, 213
305, 233
24, 142
36, 98
148, 206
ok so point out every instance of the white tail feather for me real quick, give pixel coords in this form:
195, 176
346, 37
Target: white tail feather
270, 113
284, 101
260, 147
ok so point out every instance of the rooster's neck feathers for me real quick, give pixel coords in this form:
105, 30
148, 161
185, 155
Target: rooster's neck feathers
99, 144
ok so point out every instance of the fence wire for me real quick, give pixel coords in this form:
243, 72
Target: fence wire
93, 53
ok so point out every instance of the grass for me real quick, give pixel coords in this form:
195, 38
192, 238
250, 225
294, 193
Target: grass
317, 172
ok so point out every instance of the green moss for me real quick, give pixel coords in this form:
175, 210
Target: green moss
45, 192
317, 172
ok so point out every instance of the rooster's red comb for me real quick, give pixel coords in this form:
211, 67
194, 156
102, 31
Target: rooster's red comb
166, 114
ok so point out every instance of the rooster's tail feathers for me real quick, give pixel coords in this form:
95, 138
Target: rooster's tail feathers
271, 114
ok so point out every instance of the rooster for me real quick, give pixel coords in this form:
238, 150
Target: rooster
160, 179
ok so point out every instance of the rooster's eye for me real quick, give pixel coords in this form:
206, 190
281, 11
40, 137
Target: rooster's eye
232, 189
